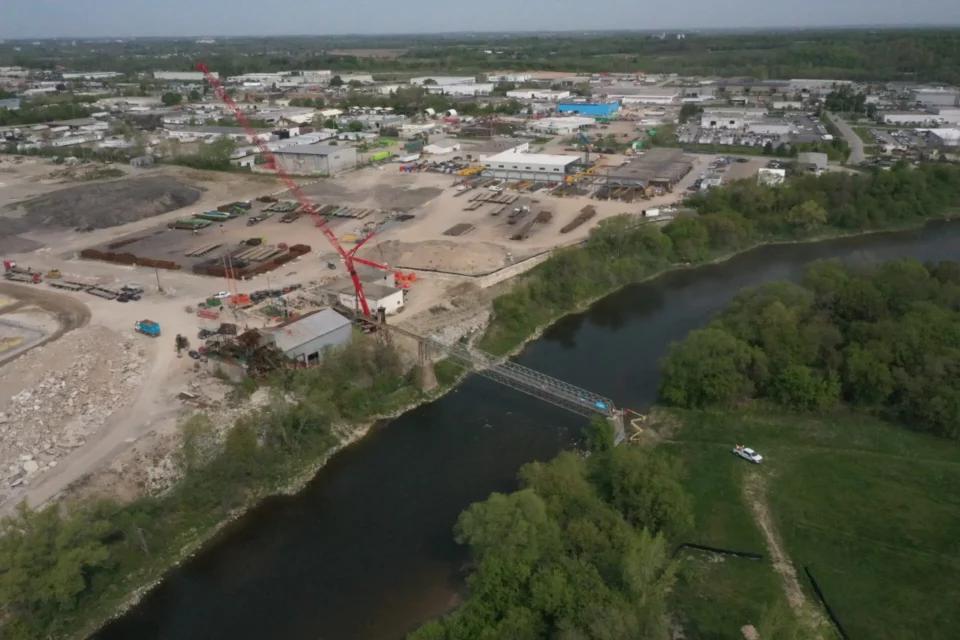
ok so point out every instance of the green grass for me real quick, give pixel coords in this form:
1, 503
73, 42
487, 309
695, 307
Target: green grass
865, 135
872, 509
714, 597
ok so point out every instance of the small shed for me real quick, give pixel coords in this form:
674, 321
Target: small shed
141, 161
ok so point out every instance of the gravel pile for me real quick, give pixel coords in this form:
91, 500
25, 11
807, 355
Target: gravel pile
100, 206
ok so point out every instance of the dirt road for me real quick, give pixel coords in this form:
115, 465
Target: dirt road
755, 494
70, 313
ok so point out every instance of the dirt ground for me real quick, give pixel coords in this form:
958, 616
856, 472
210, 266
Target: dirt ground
755, 494
100, 205
140, 426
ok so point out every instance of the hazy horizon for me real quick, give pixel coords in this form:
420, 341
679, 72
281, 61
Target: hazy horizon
45, 19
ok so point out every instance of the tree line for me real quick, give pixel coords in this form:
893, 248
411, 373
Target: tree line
65, 565
920, 55
581, 550
732, 218
881, 338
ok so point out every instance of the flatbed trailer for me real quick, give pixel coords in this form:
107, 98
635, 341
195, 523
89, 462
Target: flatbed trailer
100, 292
68, 286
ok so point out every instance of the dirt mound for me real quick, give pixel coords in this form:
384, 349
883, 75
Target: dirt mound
100, 205
474, 258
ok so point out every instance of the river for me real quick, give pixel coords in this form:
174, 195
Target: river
366, 550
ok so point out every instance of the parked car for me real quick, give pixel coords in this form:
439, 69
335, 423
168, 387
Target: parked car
748, 454
193, 354
223, 295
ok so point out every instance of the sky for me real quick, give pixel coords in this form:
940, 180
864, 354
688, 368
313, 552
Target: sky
128, 18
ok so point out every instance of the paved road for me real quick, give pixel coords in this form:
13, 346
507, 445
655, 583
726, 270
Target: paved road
856, 144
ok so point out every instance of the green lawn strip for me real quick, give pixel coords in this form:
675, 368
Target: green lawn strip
716, 595
881, 536
872, 509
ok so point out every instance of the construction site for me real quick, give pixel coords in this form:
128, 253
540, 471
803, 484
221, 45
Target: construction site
174, 275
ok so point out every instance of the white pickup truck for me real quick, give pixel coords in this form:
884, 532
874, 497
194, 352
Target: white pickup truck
748, 454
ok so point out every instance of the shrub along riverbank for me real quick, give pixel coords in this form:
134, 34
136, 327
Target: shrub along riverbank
883, 339
731, 219
63, 570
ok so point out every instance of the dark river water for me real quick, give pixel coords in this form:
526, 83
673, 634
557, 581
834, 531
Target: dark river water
366, 551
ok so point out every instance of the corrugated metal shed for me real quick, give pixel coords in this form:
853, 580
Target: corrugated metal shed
295, 333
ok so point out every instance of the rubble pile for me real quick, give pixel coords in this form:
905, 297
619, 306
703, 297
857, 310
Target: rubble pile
161, 472
68, 389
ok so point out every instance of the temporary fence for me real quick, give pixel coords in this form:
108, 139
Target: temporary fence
826, 606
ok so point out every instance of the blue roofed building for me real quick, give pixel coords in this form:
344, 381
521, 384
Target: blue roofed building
593, 109
10, 103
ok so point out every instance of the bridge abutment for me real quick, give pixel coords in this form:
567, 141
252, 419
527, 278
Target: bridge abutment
426, 375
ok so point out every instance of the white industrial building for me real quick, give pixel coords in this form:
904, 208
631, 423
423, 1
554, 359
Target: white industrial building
377, 296
443, 80
731, 118
948, 115
305, 338
912, 118
516, 78
936, 97
296, 115
538, 94
257, 79
362, 78
387, 89
481, 89
529, 166
946, 137
560, 126
317, 159
182, 76
91, 75
237, 134
442, 147
643, 95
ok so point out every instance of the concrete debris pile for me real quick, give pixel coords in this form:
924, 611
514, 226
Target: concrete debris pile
67, 390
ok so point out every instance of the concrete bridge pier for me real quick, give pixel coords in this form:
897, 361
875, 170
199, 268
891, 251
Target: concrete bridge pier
426, 375
620, 433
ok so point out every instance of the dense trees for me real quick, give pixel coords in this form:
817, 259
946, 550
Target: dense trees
885, 339
739, 215
877, 55
579, 552
57, 564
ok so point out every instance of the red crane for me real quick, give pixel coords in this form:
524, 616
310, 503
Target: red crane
347, 257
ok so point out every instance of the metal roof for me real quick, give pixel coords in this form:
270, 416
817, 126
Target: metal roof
291, 335
313, 150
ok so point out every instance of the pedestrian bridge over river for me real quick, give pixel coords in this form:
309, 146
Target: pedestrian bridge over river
513, 375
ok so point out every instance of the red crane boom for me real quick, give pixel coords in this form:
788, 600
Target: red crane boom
348, 258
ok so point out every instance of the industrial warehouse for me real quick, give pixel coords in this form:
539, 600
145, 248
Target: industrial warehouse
317, 159
657, 168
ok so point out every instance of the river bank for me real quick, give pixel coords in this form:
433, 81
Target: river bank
352, 434
374, 525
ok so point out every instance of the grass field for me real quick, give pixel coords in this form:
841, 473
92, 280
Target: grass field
873, 510
865, 135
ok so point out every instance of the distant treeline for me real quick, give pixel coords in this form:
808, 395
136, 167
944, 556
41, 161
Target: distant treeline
874, 55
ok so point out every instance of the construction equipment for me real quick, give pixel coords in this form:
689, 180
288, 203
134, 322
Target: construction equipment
54, 274
272, 162
147, 328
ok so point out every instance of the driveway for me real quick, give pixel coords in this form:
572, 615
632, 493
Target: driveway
856, 144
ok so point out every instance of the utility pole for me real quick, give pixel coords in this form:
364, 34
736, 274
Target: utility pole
159, 286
